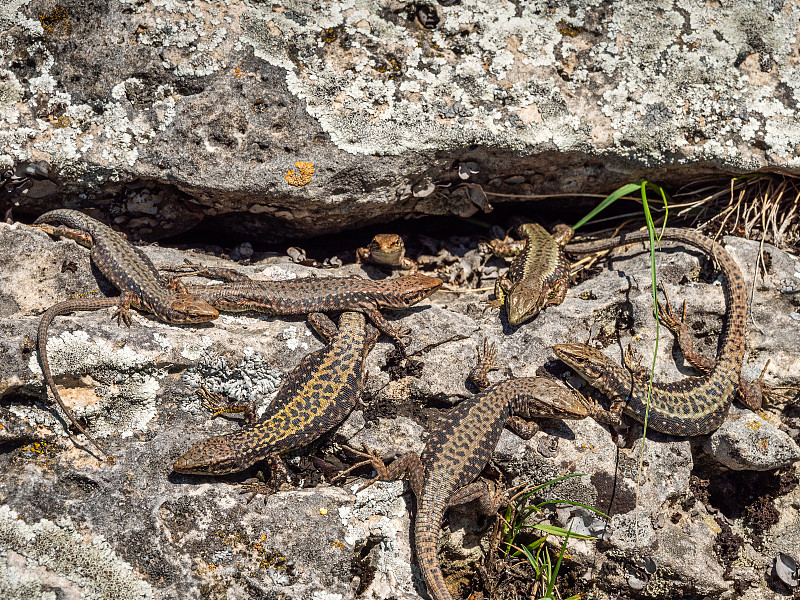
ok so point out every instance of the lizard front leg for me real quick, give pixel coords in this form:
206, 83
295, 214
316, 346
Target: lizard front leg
396, 333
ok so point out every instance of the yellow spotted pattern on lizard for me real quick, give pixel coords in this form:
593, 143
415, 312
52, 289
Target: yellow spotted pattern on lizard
315, 397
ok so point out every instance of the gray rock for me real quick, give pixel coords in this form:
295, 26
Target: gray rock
170, 536
326, 116
786, 570
749, 443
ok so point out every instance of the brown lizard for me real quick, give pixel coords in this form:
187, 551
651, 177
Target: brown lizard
461, 446
538, 276
387, 249
305, 295
315, 397
694, 405
131, 271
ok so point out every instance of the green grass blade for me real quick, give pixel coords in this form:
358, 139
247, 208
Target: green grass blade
610, 199
573, 503
530, 558
551, 584
560, 531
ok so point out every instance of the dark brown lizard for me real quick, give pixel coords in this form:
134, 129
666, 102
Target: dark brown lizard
538, 276
461, 446
315, 397
130, 270
305, 295
694, 405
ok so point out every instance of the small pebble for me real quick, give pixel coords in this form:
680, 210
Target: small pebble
786, 570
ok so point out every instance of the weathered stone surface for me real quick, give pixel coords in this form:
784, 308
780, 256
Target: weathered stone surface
311, 116
162, 535
751, 443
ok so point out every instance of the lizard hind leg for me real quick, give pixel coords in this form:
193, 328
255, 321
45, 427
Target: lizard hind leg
683, 336
487, 493
408, 466
123, 312
753, 393
373, 459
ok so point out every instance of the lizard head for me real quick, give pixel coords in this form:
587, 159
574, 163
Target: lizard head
188, 309
387, 248
410, 289
552, 400
524, 304
595, 367
214, 456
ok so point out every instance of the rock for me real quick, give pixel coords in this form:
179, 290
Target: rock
329, 116
154, 533
750, 443
786, 570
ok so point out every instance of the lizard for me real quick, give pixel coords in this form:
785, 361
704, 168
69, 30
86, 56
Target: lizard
694, 405
387, 249
131, 271
460, 447
305, 295
315, 397
538, 275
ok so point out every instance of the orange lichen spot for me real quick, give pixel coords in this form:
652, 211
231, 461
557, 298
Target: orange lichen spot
302, 175
763, 444
330, 35
754, 425
712, 524
55, 20
339, 545
565, 28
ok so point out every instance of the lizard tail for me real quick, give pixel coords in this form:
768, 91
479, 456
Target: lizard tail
426, 539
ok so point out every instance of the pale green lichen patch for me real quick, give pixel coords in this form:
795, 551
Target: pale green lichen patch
652, 79
249, 380
11, 89
37, 559
124, 384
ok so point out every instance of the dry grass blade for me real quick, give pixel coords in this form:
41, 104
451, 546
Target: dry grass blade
764, 208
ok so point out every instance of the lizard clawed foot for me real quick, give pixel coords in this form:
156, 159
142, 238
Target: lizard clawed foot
373, 459
487, 355
220, 405
632, 360
667, 315
255, 489
263, 486
123, 312
401, 333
